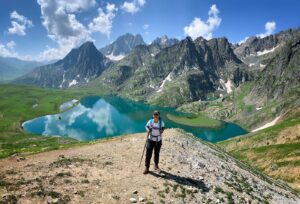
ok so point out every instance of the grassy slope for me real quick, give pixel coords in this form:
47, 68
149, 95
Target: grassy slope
16, 106
197, 121
275, 150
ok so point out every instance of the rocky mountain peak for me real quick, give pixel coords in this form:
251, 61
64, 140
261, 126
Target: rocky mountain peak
223, 48
259, 46
122, 45
187, 43
89, 45
164, 41
86, 52
79, 66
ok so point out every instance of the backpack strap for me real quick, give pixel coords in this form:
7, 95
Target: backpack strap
159, 123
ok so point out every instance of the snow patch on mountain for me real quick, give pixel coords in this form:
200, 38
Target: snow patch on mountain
262, 65
63, 81
167, 79
273, 122
227, 86
115, 57
73, 83
259, 53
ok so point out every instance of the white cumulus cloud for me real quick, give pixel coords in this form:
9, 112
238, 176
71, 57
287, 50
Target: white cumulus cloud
59, 19
133, 6
270, 27
201, 28
77, 5
103, 22
8, 49
11, 45
19, 24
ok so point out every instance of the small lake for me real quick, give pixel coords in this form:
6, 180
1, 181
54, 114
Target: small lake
99, 117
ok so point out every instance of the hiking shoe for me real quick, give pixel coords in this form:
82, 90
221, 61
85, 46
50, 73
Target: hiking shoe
146, 171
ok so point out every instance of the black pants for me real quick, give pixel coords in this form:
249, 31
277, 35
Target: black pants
149, 149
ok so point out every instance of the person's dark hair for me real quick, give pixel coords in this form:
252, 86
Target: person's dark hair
156, 112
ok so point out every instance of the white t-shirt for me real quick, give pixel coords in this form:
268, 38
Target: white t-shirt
155, 133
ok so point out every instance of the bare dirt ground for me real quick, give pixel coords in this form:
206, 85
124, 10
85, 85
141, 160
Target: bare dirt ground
107, 172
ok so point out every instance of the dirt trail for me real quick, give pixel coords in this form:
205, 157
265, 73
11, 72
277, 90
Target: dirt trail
107, 172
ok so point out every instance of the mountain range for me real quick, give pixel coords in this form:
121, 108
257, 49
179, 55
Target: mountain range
169, 72
122, 46
80, 65
11, 68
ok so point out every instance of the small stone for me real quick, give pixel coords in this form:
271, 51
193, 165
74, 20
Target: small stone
55, 200
133, 200
141, 199
195, 190
199, 165
61, 156
49, 199
134, 192
201, 178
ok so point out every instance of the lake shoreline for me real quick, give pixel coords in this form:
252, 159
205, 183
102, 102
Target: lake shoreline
96, 117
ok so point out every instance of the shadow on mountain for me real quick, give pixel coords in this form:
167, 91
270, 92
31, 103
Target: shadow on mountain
182, 180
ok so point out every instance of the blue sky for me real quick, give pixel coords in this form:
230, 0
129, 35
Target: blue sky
48, 29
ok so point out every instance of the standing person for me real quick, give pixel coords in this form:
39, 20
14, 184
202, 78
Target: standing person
155, 127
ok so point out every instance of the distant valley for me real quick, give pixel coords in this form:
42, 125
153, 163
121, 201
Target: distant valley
253, 81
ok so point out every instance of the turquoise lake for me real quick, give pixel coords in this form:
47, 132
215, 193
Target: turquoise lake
99, 117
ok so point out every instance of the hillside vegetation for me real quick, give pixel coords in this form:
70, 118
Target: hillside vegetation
275, 150
17, 105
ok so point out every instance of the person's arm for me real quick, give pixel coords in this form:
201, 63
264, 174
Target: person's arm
148, 127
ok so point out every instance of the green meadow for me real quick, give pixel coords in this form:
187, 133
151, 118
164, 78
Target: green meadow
274, 150
199, 120
17, 105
